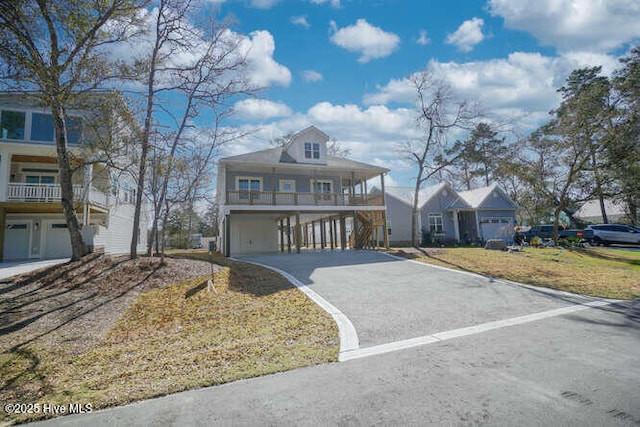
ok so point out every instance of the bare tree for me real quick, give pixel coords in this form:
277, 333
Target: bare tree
55, 48
438, 114
207, 81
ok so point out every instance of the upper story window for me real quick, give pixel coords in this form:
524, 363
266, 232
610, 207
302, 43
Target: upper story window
311, 150
42, 128
20, 125
12, 124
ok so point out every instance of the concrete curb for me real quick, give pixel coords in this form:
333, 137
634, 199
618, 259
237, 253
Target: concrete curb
348, 336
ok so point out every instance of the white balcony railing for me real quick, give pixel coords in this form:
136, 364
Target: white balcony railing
24, 192
266, 198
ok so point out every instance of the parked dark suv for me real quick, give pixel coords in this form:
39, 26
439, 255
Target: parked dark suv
604, 234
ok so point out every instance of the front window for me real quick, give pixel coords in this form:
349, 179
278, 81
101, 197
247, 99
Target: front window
12, 125
247, 185
39, 179
435, 224
322, 187
311, 150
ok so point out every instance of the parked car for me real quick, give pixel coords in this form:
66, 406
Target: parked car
605, 234
546, 232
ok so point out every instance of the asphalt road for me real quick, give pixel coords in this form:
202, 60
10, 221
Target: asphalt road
579, 367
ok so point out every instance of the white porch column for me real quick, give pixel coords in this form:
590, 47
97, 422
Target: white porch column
5, 174
456, 225
478, 226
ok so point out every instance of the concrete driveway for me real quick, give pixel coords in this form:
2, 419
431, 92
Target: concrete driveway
13, 268
436, 348
393, 302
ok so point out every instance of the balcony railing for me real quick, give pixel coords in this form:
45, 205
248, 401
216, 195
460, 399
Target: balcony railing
24, 192
269, 198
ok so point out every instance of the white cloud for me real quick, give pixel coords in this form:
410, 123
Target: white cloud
263, 4
263, 69
423, 39
311, 76
573, 25
300, 20
363, 38
333, 3
523, 84
467, 35
260, 109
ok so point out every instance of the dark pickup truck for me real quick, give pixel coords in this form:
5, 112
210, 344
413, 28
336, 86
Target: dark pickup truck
546, 232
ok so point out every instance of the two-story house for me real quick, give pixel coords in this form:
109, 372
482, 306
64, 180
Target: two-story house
32, 224
298, 196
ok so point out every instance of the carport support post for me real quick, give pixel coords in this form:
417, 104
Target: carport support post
331, 234
343, 232
355, 231
385, 232
281, 235
2, 231
298, 232
289, 234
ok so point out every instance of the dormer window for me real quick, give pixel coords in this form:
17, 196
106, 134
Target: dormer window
311, 150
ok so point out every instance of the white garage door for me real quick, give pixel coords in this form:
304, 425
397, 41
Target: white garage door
57, 243
497, 228
16, 240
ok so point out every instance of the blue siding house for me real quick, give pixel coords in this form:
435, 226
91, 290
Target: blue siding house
464, 216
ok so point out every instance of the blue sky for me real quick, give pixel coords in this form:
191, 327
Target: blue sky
342, 65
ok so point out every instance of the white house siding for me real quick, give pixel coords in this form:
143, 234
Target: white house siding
116, 239
253, 233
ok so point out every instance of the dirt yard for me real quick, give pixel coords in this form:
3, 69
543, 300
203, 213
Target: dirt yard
70, 307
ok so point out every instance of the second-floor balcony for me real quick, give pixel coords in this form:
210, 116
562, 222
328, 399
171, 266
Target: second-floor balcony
27, 192
270, 198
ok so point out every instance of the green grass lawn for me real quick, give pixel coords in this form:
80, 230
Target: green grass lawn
597, 272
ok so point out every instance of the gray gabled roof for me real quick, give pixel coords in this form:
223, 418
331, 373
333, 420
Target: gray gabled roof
278, 157
406, 194
476, 198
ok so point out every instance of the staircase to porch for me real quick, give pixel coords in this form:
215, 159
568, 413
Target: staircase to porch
365, 222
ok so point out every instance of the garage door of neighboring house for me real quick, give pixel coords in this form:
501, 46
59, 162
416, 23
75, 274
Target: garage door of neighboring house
497, 228
57, 243
16, 240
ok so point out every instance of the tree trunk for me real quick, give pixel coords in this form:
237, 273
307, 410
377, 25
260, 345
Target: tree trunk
414, 215
78, 247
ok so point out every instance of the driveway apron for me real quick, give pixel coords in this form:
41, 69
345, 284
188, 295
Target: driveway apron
389, 299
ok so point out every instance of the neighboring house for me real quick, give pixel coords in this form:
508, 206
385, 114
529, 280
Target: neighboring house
466, 216
591, 212
32, 224
297, 196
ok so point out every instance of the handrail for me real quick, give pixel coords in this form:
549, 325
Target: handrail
273, 198
27, 192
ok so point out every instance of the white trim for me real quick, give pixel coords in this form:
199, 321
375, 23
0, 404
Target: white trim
314, 181
470, 330
287, 181
435, 215
349, 341
249, 178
